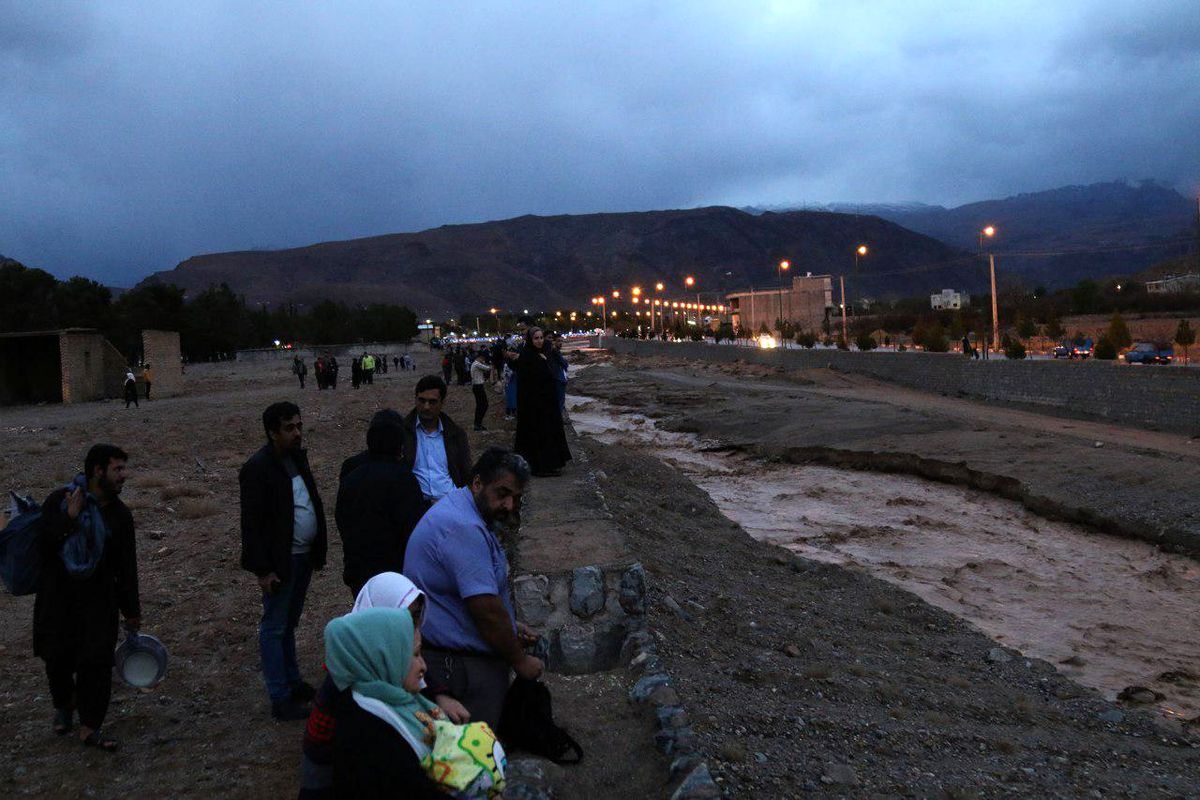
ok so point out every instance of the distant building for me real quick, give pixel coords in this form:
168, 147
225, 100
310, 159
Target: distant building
803, 304
1175, 283
949, 300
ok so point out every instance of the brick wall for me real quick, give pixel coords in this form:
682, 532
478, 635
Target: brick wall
1160, 398
82, 358
160, 349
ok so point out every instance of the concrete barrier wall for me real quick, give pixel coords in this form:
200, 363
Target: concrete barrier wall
160, 349
1159, 398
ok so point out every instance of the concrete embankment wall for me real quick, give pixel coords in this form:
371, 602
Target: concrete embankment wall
309, 352
1159, 398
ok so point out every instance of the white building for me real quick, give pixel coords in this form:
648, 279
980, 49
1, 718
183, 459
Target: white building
949, 300
1175, 283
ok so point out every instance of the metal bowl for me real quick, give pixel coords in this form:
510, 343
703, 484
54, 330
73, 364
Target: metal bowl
141, 660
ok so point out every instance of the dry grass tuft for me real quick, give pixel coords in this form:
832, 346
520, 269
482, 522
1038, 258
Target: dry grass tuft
174, 490
150, 480
197, 508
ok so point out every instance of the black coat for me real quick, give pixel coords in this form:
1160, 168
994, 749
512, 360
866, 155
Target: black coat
268, 514
378, 505
371, 759
540, 436
76, 619
458, 449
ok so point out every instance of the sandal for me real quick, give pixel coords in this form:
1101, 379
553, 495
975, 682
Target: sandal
95, 739
63, 720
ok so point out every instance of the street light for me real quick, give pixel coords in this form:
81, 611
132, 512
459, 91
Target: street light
497, 317
990, 231
783, 267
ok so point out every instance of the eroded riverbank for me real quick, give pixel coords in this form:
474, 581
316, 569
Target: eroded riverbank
1110, 613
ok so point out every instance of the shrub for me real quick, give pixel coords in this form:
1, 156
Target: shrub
842, 344
828, 342
1118, 332
805, 339
901, 349
1105, 349
865, 342
1015, 350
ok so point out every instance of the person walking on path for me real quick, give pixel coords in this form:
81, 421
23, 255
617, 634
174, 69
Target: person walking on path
540, 437
131, 393
379, 502
148, 377
89, 574
559, 368
481, 370
331, 371
300, 369
283, 541
435, 448
355, 372
472, 636
446, 366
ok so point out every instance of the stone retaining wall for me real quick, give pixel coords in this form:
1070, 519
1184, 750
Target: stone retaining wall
1159, 398
586, 612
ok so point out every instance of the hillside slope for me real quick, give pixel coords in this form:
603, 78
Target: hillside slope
561, 261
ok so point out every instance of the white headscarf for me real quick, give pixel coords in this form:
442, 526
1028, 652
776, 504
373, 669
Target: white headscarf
387, 590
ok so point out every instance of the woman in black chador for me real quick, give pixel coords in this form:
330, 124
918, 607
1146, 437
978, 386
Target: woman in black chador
540, 436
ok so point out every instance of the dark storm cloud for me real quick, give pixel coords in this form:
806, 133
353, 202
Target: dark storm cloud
133, 135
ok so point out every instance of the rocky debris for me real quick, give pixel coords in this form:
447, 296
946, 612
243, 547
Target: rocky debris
1139, 694
698, 785
1112, 715
576, 649
525, 779
998, 655
839, 775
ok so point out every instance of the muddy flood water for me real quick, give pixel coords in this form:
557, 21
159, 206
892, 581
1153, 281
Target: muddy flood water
1111, 613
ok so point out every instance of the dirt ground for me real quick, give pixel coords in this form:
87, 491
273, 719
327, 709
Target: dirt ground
206, 731
805, 677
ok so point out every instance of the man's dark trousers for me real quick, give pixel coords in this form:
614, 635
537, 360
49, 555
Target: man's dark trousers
481, 403
277, 630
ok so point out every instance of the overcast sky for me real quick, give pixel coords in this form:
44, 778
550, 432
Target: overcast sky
136, 134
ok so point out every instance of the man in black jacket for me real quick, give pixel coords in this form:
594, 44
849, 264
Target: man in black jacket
283, 541
435, 448
75, 615
379, 503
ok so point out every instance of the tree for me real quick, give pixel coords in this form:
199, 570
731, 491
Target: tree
83, 303
1026, 327
1118, 332
1105, 349
1053, 328
1085, 297
26, 298
806, 340
1185, 337
1015, 350
763, 330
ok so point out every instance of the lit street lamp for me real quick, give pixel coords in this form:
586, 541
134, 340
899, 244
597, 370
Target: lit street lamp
990, 231
782, 268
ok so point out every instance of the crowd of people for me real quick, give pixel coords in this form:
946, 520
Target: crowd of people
363, 368
430, 642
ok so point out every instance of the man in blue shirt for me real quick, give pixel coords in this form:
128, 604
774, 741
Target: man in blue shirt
434, 447
471, 636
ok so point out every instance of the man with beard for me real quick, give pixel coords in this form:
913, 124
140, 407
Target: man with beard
283, 541
89, 573
471, 636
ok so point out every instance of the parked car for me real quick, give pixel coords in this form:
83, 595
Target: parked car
1150, 353
1069, 349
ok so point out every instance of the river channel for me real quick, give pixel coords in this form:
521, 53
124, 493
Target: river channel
1110, 613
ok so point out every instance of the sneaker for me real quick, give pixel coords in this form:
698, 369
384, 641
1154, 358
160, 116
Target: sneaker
303, 692
289, 710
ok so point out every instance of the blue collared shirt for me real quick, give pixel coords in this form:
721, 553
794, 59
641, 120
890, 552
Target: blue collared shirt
430, 466
452, 556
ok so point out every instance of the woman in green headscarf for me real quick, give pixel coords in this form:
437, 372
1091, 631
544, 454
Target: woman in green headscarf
385, 726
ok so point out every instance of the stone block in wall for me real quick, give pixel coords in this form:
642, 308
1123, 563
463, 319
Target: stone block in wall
587, 591
632, 594
531, 594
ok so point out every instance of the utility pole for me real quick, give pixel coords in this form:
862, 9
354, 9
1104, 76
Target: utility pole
845, 335
995, 317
